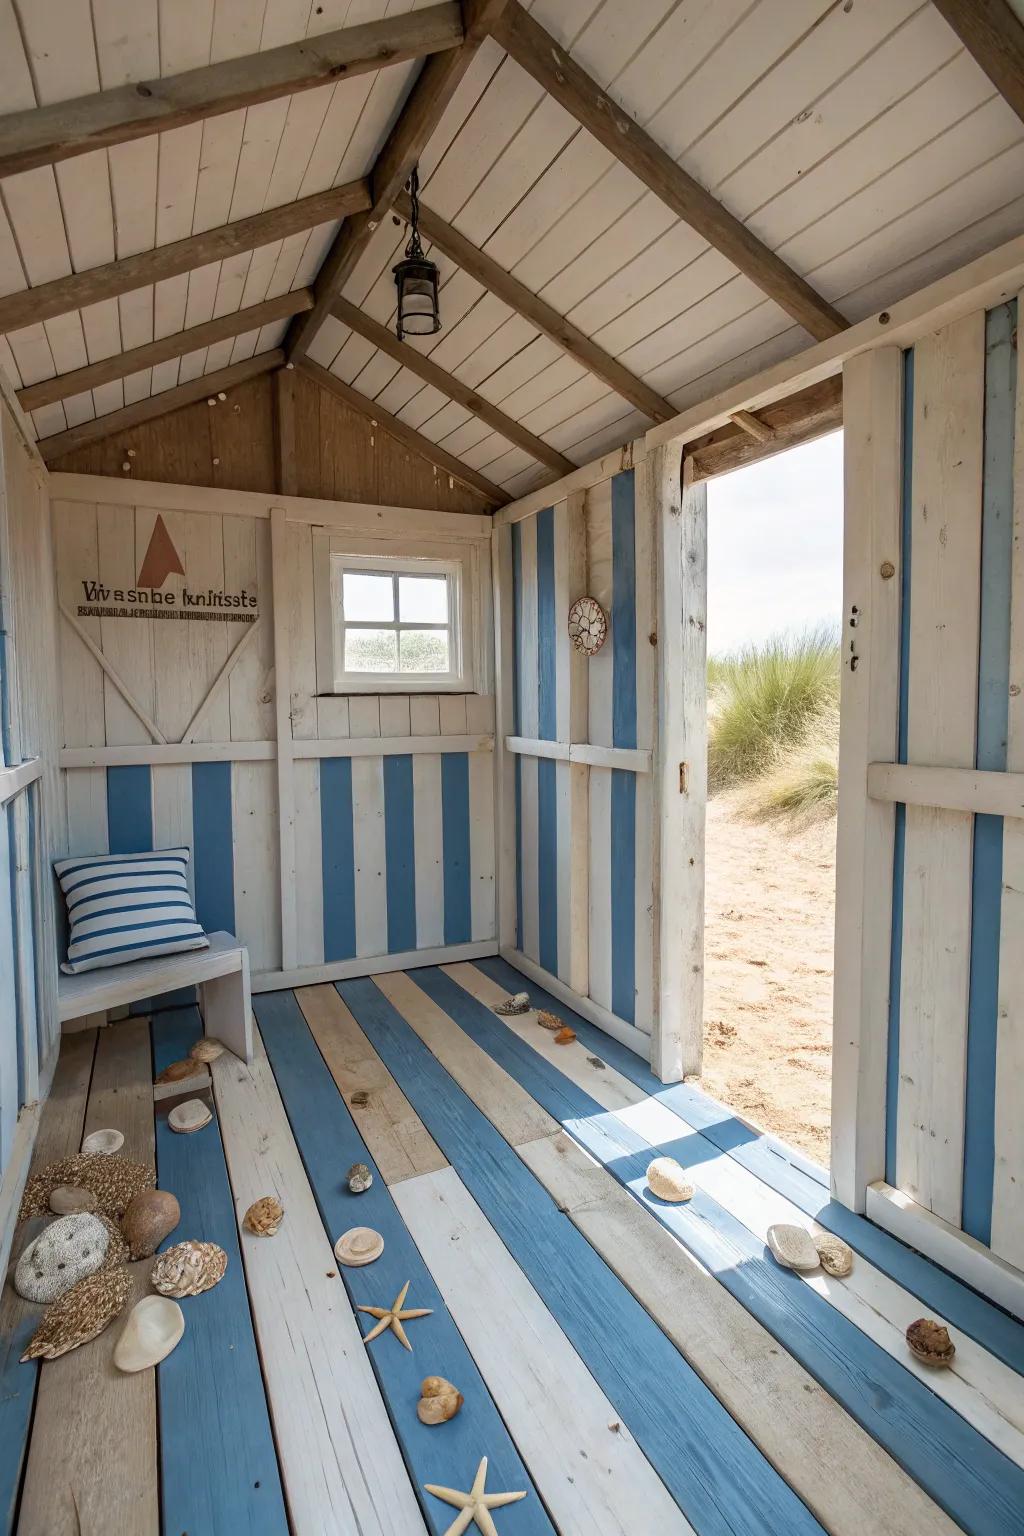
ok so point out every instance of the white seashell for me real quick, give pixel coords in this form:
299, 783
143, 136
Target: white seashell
439, 1401
667, 1180
67, 1251
70, 1199
207, 1049
153, 1329
836, 1256
519, 1002
792, 1246
104, 1142
190, 1116
358, 1246
359, 1178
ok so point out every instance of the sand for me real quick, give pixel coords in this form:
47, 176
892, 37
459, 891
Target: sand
768, 981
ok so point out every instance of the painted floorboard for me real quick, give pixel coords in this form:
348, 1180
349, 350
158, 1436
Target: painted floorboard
218, 1466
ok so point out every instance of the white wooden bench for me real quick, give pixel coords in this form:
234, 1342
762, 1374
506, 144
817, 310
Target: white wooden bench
221, 973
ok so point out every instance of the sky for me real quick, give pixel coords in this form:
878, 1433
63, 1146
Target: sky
775, 546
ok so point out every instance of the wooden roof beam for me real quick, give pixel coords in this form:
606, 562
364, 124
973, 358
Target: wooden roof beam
45, 135
122, 364
799, 418
570, 85
417, 120
449, 385
539, 313
55, 446
994, 37
83, 288
412, 439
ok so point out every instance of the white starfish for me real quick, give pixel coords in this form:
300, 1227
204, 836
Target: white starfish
476, 1505
394, 1316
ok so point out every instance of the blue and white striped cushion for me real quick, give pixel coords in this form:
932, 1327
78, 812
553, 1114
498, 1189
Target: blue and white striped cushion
127, 906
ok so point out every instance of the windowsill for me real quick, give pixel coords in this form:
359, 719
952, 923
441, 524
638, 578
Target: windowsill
395, 686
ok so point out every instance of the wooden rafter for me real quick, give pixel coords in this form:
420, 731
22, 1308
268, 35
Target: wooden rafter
537, 52
405, 434
122, 364
417, 120
421, 365
209, 384
539, 313
45, 135
994, 37
83, 288
797, 419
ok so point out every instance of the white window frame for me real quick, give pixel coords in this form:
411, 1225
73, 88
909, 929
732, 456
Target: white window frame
334, 553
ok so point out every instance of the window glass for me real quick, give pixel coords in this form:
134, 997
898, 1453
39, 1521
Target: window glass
423, 650
423, 599
368, 596
371, 650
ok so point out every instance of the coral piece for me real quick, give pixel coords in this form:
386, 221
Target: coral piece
66, 1252
359, 1178
113, 1179
835, 1255
189, 1268
149, 1218
550, 1021
792, 1246
177, 1071
190, 1116
565, 1036
476, 1505
519, 1002
358, 1246
70, 1199
154, 1327
80, 1315
207, 1049
667, 1179
439, 1401
103, 1142
394, 1316
930, 1343
264, 1216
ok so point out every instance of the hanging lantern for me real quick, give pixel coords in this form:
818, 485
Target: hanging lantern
416, 279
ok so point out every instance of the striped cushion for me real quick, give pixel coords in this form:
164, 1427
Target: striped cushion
127, 906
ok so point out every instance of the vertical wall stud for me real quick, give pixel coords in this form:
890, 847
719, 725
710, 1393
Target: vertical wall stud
575, 969
283, 718
506, 852
284, 422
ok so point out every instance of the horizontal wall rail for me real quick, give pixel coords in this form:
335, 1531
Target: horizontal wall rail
948, 789
630, 759
14, 780
264, 751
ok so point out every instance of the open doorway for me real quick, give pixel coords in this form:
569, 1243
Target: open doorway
774, 609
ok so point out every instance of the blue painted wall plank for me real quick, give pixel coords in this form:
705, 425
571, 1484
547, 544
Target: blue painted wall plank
329, 1142
546, 625
547, 864
976, 1484
716, 1474
400, 853
338, 857
213, 856
458, 928
623, 610
129, 810
218, 1466
623, 894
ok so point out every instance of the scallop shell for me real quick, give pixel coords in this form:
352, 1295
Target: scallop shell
835, 1255
439, 1401
103, 1142
66, 1251
190, 1116
930, 1343
565, 1036
147, 1221
207, 1049
792, 1246
358, 1246
667, 1179
177, 1071
69, 1199
264, 1216
111, 1178
359, 1178
550, 1021
154, 1327
519, 1002
80, 1315
189, 1268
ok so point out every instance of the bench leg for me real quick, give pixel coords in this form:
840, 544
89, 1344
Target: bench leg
227, 1011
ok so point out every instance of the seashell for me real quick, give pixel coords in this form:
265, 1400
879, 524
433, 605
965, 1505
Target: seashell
111, 1178
190, 1116
67, 1251
103, 1143
80, 1315
147, 1221
792, 1246
359, 1099
666, 1179
207, 1049
69, 1199
189, 1268
519, 1002
264, 1216
359, 1178
358, 1246
565, 1036
836, 1257
154, 1327
439, 1401
177, 1071
550, 1021
930, 1342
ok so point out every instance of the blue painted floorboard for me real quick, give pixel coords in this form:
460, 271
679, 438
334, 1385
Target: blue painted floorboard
329, 1143
714, 1471
17, 1395
974, 1482
785, 1171
218, 1467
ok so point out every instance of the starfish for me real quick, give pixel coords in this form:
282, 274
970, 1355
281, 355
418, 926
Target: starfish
474, 1506
394, 1316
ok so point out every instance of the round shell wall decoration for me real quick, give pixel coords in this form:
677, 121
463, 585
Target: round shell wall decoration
588, 625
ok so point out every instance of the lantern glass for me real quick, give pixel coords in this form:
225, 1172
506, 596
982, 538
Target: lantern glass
418, 312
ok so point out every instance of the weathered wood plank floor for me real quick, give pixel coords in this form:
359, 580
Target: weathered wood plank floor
632, 1368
